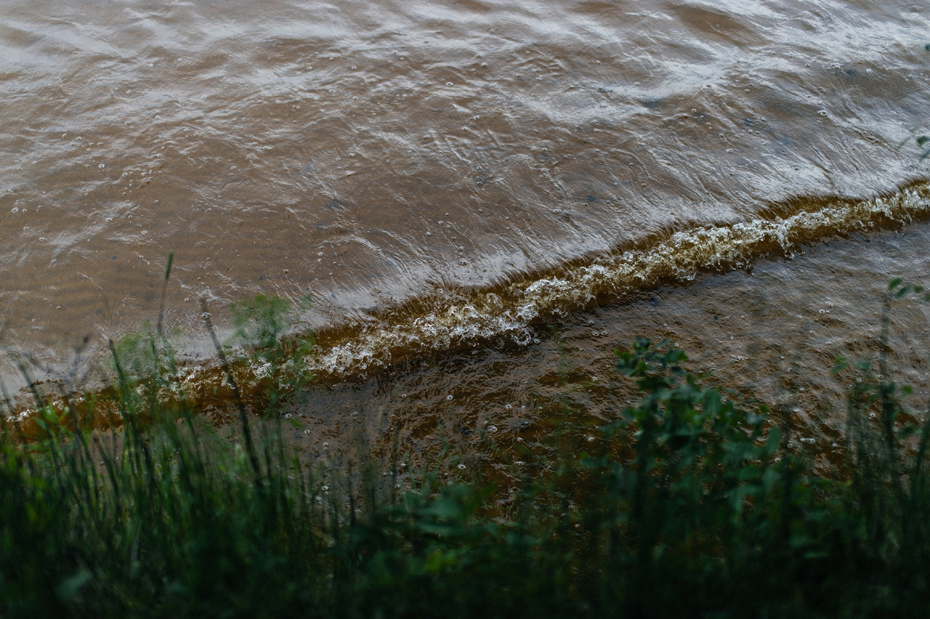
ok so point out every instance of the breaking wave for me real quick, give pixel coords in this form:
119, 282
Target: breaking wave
458, 319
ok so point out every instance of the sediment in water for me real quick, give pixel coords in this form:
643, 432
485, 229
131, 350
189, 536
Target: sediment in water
456, 319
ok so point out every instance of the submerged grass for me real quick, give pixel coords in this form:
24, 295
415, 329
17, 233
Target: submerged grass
689, 504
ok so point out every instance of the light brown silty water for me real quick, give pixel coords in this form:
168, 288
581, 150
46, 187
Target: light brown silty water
448, 176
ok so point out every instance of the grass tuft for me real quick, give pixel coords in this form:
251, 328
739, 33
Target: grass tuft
690, 503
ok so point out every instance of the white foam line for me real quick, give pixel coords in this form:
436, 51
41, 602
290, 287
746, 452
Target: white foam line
678, 259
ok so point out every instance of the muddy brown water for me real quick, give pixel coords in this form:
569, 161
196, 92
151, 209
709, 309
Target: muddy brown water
771, 332
445, 179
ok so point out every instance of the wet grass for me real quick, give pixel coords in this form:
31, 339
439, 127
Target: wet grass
691, 503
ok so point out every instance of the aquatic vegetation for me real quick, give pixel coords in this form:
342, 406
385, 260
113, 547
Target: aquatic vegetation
691, 502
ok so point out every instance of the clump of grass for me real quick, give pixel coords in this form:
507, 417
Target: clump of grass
260, 326
690, 504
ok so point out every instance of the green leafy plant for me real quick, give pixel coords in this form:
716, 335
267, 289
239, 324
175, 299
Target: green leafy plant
690, 502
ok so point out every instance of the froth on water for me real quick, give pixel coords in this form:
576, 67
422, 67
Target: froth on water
376, 153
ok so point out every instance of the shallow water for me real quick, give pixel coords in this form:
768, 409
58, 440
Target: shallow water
771, 333
435, 174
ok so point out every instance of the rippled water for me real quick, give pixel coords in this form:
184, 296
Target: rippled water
434, 173
771, 333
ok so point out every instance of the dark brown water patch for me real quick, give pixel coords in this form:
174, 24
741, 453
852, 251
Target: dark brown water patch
771, 334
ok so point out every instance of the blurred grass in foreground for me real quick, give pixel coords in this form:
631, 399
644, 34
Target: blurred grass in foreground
708, 513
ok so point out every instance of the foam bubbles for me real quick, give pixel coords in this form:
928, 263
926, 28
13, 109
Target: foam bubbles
450, 322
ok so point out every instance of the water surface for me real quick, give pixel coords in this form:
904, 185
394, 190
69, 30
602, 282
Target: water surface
399, 160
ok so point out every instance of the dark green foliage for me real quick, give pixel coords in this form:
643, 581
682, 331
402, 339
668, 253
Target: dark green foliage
712, 516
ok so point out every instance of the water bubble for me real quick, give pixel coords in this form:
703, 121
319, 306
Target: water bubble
109, 219
519, 439
449, 84
102, 165
492, 429
325, 488
461, 467
288, 416
519, 462
15, 210
508, 407
448, 397
325, 444
822, 112
145, 232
